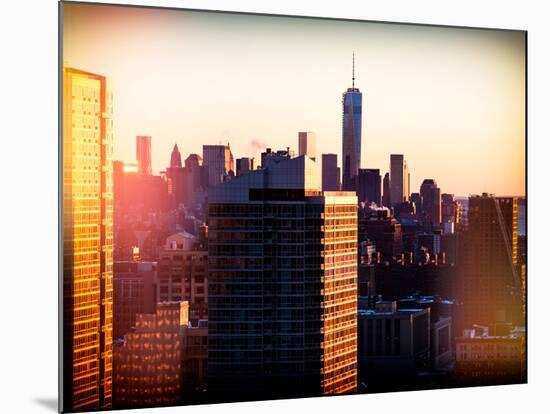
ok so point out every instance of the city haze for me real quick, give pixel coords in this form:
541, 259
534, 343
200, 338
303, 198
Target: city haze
451, 100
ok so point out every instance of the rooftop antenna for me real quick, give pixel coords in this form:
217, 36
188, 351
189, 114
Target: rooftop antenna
353, 71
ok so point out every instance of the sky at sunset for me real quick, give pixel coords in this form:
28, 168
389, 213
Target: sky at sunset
451, 100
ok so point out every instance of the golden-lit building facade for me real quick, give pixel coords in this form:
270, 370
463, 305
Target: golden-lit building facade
339, 372
87, 241
148, 360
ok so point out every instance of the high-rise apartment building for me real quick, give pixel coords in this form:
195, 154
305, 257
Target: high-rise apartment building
87, 241
331, 172
282, 285
368, 186
352, 101
399, 179
492, 285
143, 154
218, 159
306, 144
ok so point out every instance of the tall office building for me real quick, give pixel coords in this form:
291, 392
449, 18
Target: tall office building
331, 172
218, 160
143, 154
399, 179
492, 286
87, 241
368, 186
431, 201
352, 101
282, 294
306, 144
386, 194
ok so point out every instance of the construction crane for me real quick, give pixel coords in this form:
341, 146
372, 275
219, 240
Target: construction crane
507, 243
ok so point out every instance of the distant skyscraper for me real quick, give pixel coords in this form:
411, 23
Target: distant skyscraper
87, 241
431, 201
175, 158
282, 305
368, 186
175, 179
351, 134
306, 144
244, 165
386, 194
331, 172
399, 179
143, 154
218, 160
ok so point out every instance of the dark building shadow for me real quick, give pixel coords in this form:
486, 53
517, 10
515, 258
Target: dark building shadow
49, 403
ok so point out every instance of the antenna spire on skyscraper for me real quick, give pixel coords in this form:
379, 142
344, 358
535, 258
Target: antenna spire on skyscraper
353, 71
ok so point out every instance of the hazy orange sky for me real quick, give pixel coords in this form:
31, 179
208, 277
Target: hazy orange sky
451, 100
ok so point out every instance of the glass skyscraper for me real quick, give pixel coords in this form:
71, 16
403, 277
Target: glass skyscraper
87, 241
352, 103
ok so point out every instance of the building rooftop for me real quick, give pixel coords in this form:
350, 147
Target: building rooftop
399, 312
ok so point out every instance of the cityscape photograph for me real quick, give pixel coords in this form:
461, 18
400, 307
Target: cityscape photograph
261, 207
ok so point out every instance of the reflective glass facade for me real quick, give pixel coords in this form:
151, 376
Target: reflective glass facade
88, 241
